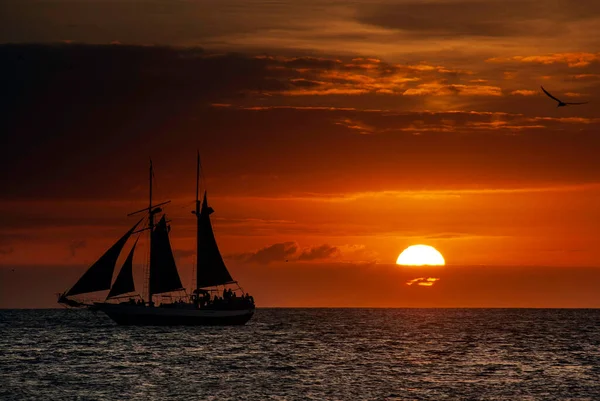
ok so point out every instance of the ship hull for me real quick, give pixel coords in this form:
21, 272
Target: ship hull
139, 315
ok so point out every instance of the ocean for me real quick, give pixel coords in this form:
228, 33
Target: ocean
306, 354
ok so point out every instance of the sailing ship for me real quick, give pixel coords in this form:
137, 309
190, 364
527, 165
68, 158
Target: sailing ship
203, 306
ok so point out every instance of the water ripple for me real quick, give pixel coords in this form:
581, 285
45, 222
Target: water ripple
306, 354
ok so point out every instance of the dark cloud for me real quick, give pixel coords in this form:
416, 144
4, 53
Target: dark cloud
155, 21
286, 251
476, 18
319, 252
306, 83
292, 28
105, 74
76, 245
279, 252
310, 62
63, 105
81, 121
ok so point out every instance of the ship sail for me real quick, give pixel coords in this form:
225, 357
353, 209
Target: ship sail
163, 271
210, 268
99, 276
162, 276
124, 282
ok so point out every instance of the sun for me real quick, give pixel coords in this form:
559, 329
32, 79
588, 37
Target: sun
420, 255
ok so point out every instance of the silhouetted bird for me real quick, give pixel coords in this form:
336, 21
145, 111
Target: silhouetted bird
560, 102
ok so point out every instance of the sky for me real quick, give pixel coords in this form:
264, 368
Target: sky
333, 135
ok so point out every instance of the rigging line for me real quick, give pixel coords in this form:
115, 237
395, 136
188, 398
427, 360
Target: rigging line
202, 179
154, 181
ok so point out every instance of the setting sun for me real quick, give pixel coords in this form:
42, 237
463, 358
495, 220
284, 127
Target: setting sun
420, 255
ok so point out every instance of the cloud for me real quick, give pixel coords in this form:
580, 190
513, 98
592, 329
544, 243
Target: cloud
356, 125
585, 77
75, 245
439, 89
104, 74
451, 122
487, 22
524, 92
565, 120
429, 194
423, 281
119, 95
503, 125
113, 94
359, 76
469, 18
320, 252
302, 62
361, 27
279, 252
577, 60
290, 251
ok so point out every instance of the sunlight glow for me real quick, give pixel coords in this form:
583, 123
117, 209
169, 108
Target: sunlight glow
420, 255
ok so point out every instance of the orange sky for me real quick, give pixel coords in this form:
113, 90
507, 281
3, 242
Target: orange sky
332, 134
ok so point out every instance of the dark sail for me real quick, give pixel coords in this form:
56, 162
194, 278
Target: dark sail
163, 271
124, 282
99, 276
210, 268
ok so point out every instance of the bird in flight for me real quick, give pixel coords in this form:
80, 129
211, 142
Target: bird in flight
560, 102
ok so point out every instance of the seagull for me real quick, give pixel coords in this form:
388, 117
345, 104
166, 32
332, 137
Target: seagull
560, 102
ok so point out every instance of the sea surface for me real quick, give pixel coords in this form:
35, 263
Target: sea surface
306, 354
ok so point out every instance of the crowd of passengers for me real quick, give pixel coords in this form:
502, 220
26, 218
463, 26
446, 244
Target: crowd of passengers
228, 300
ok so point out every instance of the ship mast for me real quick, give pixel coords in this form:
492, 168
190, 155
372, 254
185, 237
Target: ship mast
198, 185
151, 212
197, 213
150, 227
151, 218
210, 267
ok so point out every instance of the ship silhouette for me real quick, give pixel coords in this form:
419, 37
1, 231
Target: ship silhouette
213, 300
